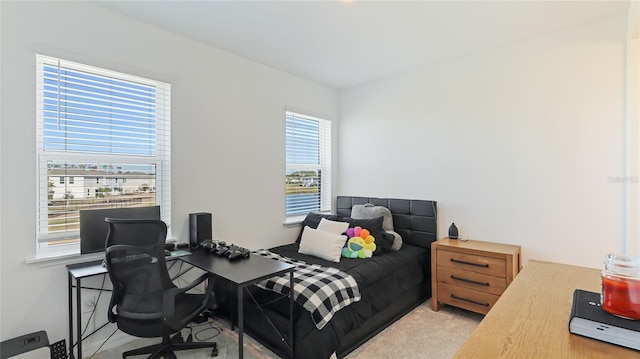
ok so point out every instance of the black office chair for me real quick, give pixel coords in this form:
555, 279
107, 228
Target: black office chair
147, 304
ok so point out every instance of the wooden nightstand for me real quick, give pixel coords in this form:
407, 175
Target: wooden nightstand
471, 274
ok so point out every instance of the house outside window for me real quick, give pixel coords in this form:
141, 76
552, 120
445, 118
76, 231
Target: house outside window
308, 164
93, 126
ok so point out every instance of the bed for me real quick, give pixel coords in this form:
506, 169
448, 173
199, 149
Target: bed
390, 284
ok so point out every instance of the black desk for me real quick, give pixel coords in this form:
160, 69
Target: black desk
243, 273
78, 271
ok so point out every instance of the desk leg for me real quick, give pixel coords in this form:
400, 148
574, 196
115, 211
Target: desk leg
291, 338
240, 322
79, 317
70, 296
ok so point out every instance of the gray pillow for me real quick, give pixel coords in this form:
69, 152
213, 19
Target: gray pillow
369, 211
397, 241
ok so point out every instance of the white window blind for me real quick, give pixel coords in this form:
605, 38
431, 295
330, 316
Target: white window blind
103, 141
308, 156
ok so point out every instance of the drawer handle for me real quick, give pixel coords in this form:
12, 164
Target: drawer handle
486, 284
469, 300
469, 263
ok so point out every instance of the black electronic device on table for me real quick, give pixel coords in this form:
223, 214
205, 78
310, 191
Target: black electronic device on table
211, 245
590, 320
221, 248
200, 228
239, 253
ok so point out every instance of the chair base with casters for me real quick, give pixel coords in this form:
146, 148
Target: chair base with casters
169, 346
172, 340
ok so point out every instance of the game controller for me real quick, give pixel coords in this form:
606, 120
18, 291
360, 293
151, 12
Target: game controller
239, 253
236, 252
212, 245
207, 244
222, 249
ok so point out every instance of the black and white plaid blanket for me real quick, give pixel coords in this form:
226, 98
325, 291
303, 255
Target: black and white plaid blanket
320, 290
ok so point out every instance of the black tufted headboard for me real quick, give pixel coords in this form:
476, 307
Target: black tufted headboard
415, 220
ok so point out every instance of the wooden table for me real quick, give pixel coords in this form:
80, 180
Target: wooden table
530, 320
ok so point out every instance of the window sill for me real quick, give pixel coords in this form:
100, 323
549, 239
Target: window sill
293, 221
63, 259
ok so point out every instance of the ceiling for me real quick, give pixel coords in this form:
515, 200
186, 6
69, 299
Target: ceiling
346, 43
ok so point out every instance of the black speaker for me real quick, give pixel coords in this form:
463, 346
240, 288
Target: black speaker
200, 228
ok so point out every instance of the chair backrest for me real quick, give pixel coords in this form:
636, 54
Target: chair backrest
137, 268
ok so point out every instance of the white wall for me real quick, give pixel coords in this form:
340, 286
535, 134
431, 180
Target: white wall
520, 144
633, 129
227, 128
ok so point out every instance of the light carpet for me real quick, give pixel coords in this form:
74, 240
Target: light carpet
421, 333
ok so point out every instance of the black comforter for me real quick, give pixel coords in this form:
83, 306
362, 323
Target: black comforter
387, 282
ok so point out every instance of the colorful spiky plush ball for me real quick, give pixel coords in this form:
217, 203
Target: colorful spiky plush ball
361, 243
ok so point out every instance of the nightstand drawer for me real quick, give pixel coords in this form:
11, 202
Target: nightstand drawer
471, 274
469, 299
472, 280
472, 262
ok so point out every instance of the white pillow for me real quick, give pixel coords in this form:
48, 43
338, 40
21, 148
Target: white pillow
332, 226
321, 244
369, 211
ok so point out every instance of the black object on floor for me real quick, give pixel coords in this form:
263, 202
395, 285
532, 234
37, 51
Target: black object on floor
33, 341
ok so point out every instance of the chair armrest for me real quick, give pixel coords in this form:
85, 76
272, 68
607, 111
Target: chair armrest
116, 298
169, 300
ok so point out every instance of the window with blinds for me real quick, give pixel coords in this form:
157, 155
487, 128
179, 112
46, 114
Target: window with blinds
103, 141
308, 171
